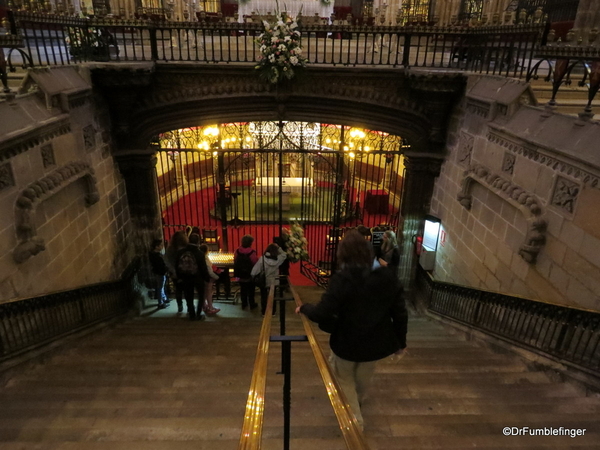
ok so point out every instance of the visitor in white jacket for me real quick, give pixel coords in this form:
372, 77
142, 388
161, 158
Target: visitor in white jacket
268, 264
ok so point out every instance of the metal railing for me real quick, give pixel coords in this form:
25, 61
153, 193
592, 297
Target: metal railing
567, 334
251, 435
26, 324
59, 40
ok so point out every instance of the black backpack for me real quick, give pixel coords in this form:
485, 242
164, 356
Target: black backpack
187, 264
242, 265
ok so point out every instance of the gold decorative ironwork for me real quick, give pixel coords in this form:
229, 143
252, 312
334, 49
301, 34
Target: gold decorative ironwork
354, 141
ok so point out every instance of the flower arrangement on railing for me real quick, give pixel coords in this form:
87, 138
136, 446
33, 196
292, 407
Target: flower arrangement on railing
280, 48
295, 242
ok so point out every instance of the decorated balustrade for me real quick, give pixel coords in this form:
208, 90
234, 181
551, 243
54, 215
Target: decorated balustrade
57, 40
566, 334
26, 324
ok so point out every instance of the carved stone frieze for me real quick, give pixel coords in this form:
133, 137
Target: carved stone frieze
508, 163
565, 194
544, 156
420, 163
465, 148
187, 87
527, 203
29, 243
433, 81
125, 74
47, 152
89, 137
415, 105
37, 136
478, 107
71, 101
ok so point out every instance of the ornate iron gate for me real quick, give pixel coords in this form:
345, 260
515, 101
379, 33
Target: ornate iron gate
257, 178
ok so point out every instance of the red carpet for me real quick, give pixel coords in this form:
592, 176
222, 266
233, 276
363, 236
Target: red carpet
194, 210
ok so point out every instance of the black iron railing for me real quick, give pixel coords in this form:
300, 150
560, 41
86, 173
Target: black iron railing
58, 40
567, 334
26, 324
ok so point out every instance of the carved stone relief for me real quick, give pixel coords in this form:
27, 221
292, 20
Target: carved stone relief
48, 156
536, 154
89, 137
10, 148
565, 194
508, 163
29, 243
465, 148
6, 176
527, 203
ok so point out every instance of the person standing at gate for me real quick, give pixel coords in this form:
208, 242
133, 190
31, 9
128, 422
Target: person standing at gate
268, 264
364, 311
179, 240
192, 274
389, 253
159, 270
243, 261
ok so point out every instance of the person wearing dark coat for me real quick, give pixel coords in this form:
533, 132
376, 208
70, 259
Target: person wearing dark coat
365, 313
389, 253
191, 281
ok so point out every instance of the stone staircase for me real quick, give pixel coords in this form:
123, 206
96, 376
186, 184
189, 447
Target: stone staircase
163, 382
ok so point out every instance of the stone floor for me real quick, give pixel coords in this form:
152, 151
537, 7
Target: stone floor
163, 382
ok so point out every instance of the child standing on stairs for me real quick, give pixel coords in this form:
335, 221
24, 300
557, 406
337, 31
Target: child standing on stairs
364, 311
159, 270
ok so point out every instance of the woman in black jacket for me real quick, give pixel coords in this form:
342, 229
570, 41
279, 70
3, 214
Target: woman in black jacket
365, 312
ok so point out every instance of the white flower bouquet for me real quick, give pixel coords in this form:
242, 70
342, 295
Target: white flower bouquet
295, 242
281, 53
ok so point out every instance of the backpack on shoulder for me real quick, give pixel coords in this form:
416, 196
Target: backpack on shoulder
242, 265
187, 264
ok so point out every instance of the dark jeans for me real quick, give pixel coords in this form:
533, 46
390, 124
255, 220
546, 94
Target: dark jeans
179, 294
247, 293
159, 288
188, 286
264, 296
225, 281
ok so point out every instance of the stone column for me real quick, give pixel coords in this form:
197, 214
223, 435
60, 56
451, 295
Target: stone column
139, 173
420, 173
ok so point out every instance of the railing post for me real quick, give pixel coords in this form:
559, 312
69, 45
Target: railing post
406, 51
565, 328
286, 358
286, 350
10, 15
153, 42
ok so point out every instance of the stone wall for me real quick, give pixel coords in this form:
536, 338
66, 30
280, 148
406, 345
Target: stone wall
519, 198
65, 219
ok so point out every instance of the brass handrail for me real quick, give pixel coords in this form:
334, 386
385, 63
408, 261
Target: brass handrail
353, 436
251, 436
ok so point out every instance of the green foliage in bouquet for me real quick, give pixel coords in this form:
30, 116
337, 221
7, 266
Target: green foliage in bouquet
295, 242
281, 53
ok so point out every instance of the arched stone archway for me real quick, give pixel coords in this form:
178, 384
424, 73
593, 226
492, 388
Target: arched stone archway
146, 100
150, 98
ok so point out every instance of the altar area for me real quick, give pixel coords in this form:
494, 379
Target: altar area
309, 8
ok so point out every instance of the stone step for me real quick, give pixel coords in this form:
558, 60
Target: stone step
162, 382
